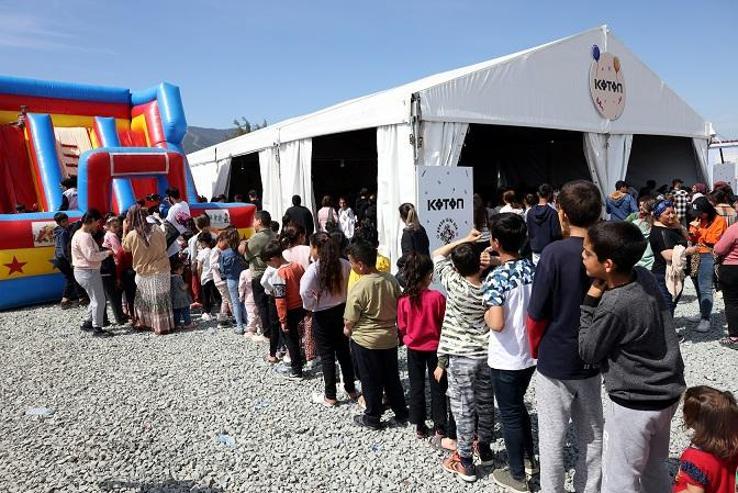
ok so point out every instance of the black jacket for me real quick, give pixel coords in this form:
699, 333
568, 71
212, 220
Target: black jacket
415, 240
543, 227
301, 215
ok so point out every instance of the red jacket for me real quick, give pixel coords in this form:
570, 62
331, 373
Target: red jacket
420, 323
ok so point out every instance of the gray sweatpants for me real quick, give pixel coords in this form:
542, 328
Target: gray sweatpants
91, 282
558, 402
472, 402
635, 449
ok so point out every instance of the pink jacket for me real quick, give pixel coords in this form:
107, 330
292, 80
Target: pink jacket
85, 252
727, 246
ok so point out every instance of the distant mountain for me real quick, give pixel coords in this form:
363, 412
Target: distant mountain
199, 137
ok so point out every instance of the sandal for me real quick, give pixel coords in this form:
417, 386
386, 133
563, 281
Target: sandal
729, 342
272, 360
436, 441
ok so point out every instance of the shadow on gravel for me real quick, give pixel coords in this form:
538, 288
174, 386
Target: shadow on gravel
170, 486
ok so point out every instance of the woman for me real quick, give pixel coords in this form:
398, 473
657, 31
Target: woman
727, 249
346, 218
644, 220
148, 246
704, 232
721, 197
323, 291
326, 213
511, 203
87, 259
414, 237
665, 234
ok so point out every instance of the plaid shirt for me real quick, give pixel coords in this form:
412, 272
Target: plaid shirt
681, 204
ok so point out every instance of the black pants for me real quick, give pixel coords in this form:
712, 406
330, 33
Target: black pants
379, 371
71, 288
292, 338
268, 313
509, 389
210, 297
418, 364
129, 288
114, 297
729, 283
332, 344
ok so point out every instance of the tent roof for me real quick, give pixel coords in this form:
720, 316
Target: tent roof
546, 86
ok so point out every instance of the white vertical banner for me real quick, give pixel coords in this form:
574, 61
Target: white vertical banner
445, 202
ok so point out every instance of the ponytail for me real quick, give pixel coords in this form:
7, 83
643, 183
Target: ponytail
415, 270
330, 275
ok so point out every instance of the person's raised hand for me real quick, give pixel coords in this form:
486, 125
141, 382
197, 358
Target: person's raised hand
473, 236
599, 286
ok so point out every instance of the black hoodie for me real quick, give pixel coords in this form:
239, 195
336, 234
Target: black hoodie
543, 227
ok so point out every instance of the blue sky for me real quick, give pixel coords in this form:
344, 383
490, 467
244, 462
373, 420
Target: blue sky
283, 58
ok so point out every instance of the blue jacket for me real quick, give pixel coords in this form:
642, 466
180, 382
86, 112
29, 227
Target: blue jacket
620, 205
62, 243
231, 264
543, 226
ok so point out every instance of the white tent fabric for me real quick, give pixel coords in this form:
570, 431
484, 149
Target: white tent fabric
295, 171
271, 191
223, 177
700, 149
203, 178
607, 157
395, 185
442, 143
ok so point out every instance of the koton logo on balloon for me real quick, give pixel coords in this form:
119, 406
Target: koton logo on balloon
607, 84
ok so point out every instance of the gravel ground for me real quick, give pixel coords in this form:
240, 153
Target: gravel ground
139, 412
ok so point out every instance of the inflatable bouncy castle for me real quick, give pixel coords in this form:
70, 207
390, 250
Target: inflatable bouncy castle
122, 146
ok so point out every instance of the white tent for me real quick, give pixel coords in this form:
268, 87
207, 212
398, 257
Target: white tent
425, 122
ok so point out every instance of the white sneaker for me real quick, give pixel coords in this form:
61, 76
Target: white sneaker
694, 318
704, 326
206, 317
286, 359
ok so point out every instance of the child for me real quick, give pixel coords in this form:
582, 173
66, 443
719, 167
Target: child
112, 275
246, 293
202, 224
220, 284
542, 222
286, 288
180, 297
204, 271
62, 257
369, 234
627, 330
420, 312
231, 266
370, 321
506, 293
709, 464
567, 389
464, 339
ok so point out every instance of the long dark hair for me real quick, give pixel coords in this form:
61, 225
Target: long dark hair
415, 270
290, 235
330, 275
137, 221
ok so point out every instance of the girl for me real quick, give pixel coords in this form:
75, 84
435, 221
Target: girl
180, 297
414, 237
86, 259
326, 214
246, 293
346, 218
323, 292
210, 295
709, 464
292, 240
704, 232
420, 314
511, 203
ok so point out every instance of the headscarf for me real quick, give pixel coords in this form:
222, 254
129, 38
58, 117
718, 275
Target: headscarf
700, 188
661, 206
137, 221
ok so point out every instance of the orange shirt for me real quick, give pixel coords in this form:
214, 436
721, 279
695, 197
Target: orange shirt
706, 235
286, 286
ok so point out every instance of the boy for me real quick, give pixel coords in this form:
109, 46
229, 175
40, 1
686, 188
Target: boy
286, 288
370, 320
204, 272
567, 388
626, 328
542, 222
202, 223
506, 292
62, 256
464, 340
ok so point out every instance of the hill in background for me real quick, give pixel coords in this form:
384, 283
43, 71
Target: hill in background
199, 137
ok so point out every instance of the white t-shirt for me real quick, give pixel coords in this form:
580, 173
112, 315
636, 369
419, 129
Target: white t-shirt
508, 208
206, 273
178, 215
509, 286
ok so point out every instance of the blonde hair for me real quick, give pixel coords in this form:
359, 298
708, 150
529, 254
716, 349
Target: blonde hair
409, 216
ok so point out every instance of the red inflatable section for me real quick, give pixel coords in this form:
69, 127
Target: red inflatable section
102, 167
16, 180
141, 186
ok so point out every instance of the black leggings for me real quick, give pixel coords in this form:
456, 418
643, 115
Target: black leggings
210, 297
729, 284
332, 344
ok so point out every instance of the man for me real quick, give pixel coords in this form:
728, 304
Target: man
620, 204
681, 200
254, 199
178, 215
301, 215
361, 205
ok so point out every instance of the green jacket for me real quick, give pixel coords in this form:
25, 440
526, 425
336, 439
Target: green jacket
256, 245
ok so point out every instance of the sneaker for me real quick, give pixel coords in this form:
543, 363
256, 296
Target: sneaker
395, 422
531, 467
206, 317
484, 452
294, 376
421, 432
694, 319
504, 478
454, 465
360, 421
238, 330
320, 398
86, 326
98, 332
66, 304
286, 359
729, 342
704, 326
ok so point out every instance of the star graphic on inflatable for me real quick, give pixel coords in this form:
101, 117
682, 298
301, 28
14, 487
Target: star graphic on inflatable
15, 266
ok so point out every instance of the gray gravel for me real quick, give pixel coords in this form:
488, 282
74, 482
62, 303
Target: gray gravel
200, 411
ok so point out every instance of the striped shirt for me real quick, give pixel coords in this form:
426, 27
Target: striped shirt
464, 332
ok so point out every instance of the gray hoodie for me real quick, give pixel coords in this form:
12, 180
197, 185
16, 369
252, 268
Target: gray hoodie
630, 334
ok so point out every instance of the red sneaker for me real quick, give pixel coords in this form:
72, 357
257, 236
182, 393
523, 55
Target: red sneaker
454, 465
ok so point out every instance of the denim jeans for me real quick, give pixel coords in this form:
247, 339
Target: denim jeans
509, 389
239, 313
661, 283
182, 316
704, 285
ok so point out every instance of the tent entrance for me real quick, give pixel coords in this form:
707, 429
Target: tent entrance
343, 164
245, 175
661, 159
522, 158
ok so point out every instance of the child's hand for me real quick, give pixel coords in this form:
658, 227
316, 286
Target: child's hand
487, 260
473, 236
346, 331
598, 287
438, 374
